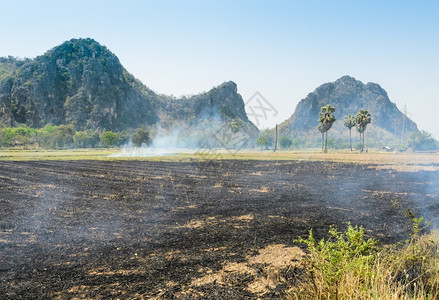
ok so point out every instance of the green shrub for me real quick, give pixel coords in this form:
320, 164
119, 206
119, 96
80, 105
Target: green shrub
343, 253
347, 266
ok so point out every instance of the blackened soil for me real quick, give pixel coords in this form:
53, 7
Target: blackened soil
141, 230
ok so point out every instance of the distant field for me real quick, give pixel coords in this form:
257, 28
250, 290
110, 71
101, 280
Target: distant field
396, 160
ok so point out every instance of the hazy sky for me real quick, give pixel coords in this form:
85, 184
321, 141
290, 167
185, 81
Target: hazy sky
282, 49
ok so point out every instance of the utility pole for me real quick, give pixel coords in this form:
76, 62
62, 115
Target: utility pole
275, 140
405, 115
396, 122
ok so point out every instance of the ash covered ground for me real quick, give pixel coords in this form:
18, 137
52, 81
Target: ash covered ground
186, 230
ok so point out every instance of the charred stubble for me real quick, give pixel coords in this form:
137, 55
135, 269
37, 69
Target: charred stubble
182, 229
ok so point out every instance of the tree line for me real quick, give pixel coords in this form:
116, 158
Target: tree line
65, 136
326, 120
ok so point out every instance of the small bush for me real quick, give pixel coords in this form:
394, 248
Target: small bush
330, 261
346, 266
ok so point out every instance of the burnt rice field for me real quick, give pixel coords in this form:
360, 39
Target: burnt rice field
186, 230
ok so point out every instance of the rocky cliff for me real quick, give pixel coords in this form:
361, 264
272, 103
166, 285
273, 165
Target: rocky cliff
222, 101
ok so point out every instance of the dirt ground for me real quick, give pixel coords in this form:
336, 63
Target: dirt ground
186, 230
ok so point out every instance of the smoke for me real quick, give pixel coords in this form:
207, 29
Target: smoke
386, 193
428, 200
164, 143
130, 151
208, 131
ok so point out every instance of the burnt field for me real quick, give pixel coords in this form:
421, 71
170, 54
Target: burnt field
187, 230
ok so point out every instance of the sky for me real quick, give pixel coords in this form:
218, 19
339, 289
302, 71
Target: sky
282, 50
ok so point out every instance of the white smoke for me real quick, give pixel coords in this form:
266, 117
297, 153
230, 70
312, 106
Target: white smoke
209, 131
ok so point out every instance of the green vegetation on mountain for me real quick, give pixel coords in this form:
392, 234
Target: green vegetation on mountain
8, 65
79, 82
83, 84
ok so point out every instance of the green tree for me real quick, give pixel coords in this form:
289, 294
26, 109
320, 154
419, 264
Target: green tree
141, 137
86, 139
326, 119
63, 136
45, 136
285, 142
362, 118
108, 138
123, 138
349, 122
298, 143
18, 136
262, 141
422, 141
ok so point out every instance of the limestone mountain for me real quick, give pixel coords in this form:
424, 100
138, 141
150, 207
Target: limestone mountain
78, 82
348, 96
213, 119
81, 82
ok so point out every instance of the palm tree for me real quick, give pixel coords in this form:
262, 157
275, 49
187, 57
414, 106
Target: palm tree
349, 122
322, 130
326, 119
362, 118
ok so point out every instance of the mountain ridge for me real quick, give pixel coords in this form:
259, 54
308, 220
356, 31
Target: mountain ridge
348, 96
83, 83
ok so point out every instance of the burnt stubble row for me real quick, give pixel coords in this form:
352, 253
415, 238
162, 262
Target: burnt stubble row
139, 229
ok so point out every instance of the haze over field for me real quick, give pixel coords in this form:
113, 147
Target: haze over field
283, 49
